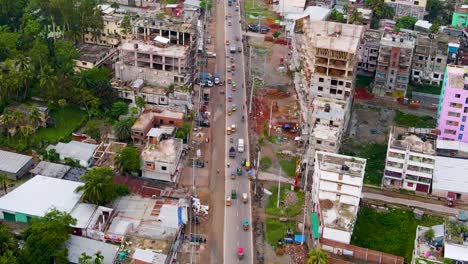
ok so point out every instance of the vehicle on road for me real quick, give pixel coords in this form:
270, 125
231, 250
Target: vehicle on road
230, 2
232, 48
228, 200
227, 42
233, 175
233, 194
233, 128
228, 130
245, 224
247, 165
255, 27
230, 97
240, 252
229, 112
231, 140
243, 162
217, 78
232, 152
234, 107
240, 145
206, 79
243, 118
245, 197
231, 59
229, 80
239, 171
233, 66
239, 49
205, 123
229, 14
229, 22
237, 38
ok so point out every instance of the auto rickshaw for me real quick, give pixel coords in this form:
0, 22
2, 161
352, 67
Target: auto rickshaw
228, 130
247, 165
239, 171
227, 42
240, 252
233, 66
234, 107
234, 86
228, 200
231, 59
229, 112
233, 128
233, 194
229, 80
243, 162
230, 97
233, 175
245, 224
229, 14
231, 140
228, 68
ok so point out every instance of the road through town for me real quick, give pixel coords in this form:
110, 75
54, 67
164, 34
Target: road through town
234, 234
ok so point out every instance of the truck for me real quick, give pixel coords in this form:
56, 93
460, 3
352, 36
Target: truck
240, 145
217, 78
206, 79
232, 48
232, 152
230, 2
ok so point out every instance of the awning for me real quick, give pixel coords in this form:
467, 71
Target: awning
315, 225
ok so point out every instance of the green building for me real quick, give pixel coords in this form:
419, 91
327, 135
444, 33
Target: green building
460, 17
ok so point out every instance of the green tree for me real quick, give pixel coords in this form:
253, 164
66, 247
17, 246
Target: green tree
51, 155
65, 54
7, 242
44, 238
276, 34
140, 103
434, 28
206, 5
34, 118
86, 259
407, 22
98, 186
317, 256
126, 25
336, 16
8, 258
128, 160
62, 103
123, 128
92, 129
355, 17
4, 186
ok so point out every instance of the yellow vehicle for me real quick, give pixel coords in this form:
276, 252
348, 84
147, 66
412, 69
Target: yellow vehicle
234, 107
233, 128
229, 112
228, 200
229, 14
228, 130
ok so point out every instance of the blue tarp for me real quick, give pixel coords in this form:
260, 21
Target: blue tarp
299, 238
179, 216
250, 172
287, 126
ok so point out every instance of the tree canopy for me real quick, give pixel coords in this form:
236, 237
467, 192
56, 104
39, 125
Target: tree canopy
128, 159
407, 22
99, 188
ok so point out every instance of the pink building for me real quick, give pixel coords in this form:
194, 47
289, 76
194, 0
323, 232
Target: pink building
453, 104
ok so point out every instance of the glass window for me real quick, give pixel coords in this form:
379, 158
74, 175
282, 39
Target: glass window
463, 118
460, 136
462, 127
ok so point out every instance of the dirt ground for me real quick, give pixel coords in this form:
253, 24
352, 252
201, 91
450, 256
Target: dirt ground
370, 124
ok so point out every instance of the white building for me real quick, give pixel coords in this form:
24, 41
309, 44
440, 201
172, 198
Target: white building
336, 193
410, 159
286, 7
112, 32
314, 13
79, 152
161, 160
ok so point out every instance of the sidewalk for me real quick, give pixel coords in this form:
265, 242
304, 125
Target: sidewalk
411, 203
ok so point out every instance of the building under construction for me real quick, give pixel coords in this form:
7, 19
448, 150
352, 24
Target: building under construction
329, 54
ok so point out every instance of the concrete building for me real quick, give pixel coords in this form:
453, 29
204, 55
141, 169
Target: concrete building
429, 58
414, 8
14, 165
80, 152
324, 3
369, 52
155, 117
456, 241
112, 32
161, 160
329, 53
460, 16
336, 193
38, 196
410, 159
450, 178
425, 250
394, 63
314, 13
366, 15
286, 7
94, 56
453, 104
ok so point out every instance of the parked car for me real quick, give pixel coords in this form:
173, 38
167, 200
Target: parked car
205, 123
257, 28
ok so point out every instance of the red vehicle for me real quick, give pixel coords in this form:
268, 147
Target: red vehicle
240, 252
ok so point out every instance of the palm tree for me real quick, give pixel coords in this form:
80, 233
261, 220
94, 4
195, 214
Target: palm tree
98, 187
83, 80
123, 129
140, 103
34, 117
4, 182
317, 256
17, 120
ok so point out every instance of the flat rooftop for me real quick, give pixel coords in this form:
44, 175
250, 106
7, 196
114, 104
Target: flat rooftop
338, 220
165, 151
340, 164
93, 53
394, 40
402, 138
334, 36
324, 132
146, 118
50, 169
426, 249
456, 79
372, 35
159, 131
173, 51
41, 194
77, 245
329, 109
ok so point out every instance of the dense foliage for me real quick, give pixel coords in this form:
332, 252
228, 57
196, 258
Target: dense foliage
99, 188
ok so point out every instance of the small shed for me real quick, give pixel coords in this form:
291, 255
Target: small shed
50, 169
14, 165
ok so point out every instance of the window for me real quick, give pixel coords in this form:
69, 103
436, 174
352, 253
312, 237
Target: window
348, 85
457, 95
436, 76
460, 136
439, 60
84, 63
320, 88
340, 91
171, 122
334, 82
164, 168
319, 142
320, 79
340, 82
437, 68
392, 72
463, 118
409, 184
333, 91
466, 100
462, 128
421, 58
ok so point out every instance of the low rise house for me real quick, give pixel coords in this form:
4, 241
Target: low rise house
161, 160
112, 32
456, 241
460, 16
50, 169
15, 165
369, 52
147, 256
77, 245
414, 8
336, 193
34, 116
80, 152
94, 56
410, 159
428, 248
155, 117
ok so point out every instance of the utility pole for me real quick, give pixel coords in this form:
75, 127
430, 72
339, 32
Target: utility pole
253, 80
256, 173
279, 189
271, 113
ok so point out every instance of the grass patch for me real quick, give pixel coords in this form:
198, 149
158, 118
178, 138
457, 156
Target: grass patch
288, 166
391, 232
66, 122
259, 9
409, 120
375, 165
271, 139
284, 211
364, 82
265, 163
426, 88
276, 230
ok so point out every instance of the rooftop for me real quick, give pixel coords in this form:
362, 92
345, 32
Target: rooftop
159, 131
427, 249
456, 79
74, 149
329, 109
146, 118
149, 256
77, 245
173, 51
325, 132
402, 40
50, 169
334, 36
47, 193
457, 233
338, 220
340, 164
372, 35
450, 174
94, 53
83, 212
13, 162
165, 151
414, 139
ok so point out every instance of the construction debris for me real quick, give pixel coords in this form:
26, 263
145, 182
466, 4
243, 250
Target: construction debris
297, 252
198, 208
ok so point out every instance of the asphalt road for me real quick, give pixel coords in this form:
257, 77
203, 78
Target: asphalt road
234, 234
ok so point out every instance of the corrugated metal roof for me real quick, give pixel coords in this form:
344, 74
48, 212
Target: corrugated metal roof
12, 162
75, 150
77, 245
450, 174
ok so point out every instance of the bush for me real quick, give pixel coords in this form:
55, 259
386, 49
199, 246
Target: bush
265, 163
92, 129
122, 190
288, 166
409, 120
118, 108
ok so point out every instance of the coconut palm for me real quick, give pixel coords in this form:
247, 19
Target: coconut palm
34, 118
317, 256
355, 17
140, 103
98, 187
123, 128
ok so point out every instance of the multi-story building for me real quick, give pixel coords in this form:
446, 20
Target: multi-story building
324, 3
453, 104
460, 16
329, 122
112, 32
155, 117
336, 193
394, 63
429, 59
329, 53
369, 52
414, 8
161, 160
410, 159
94, 56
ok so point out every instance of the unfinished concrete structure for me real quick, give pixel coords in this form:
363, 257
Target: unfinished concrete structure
112, 32
161, 160
329, 56
429, 58
336, 193
369, 52
393, 68
414, 8
155, 117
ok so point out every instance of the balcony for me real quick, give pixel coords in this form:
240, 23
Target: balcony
337, 73
321, 70
417, 169
397, 155
321, 61
422, 160
393, 175
338, 64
